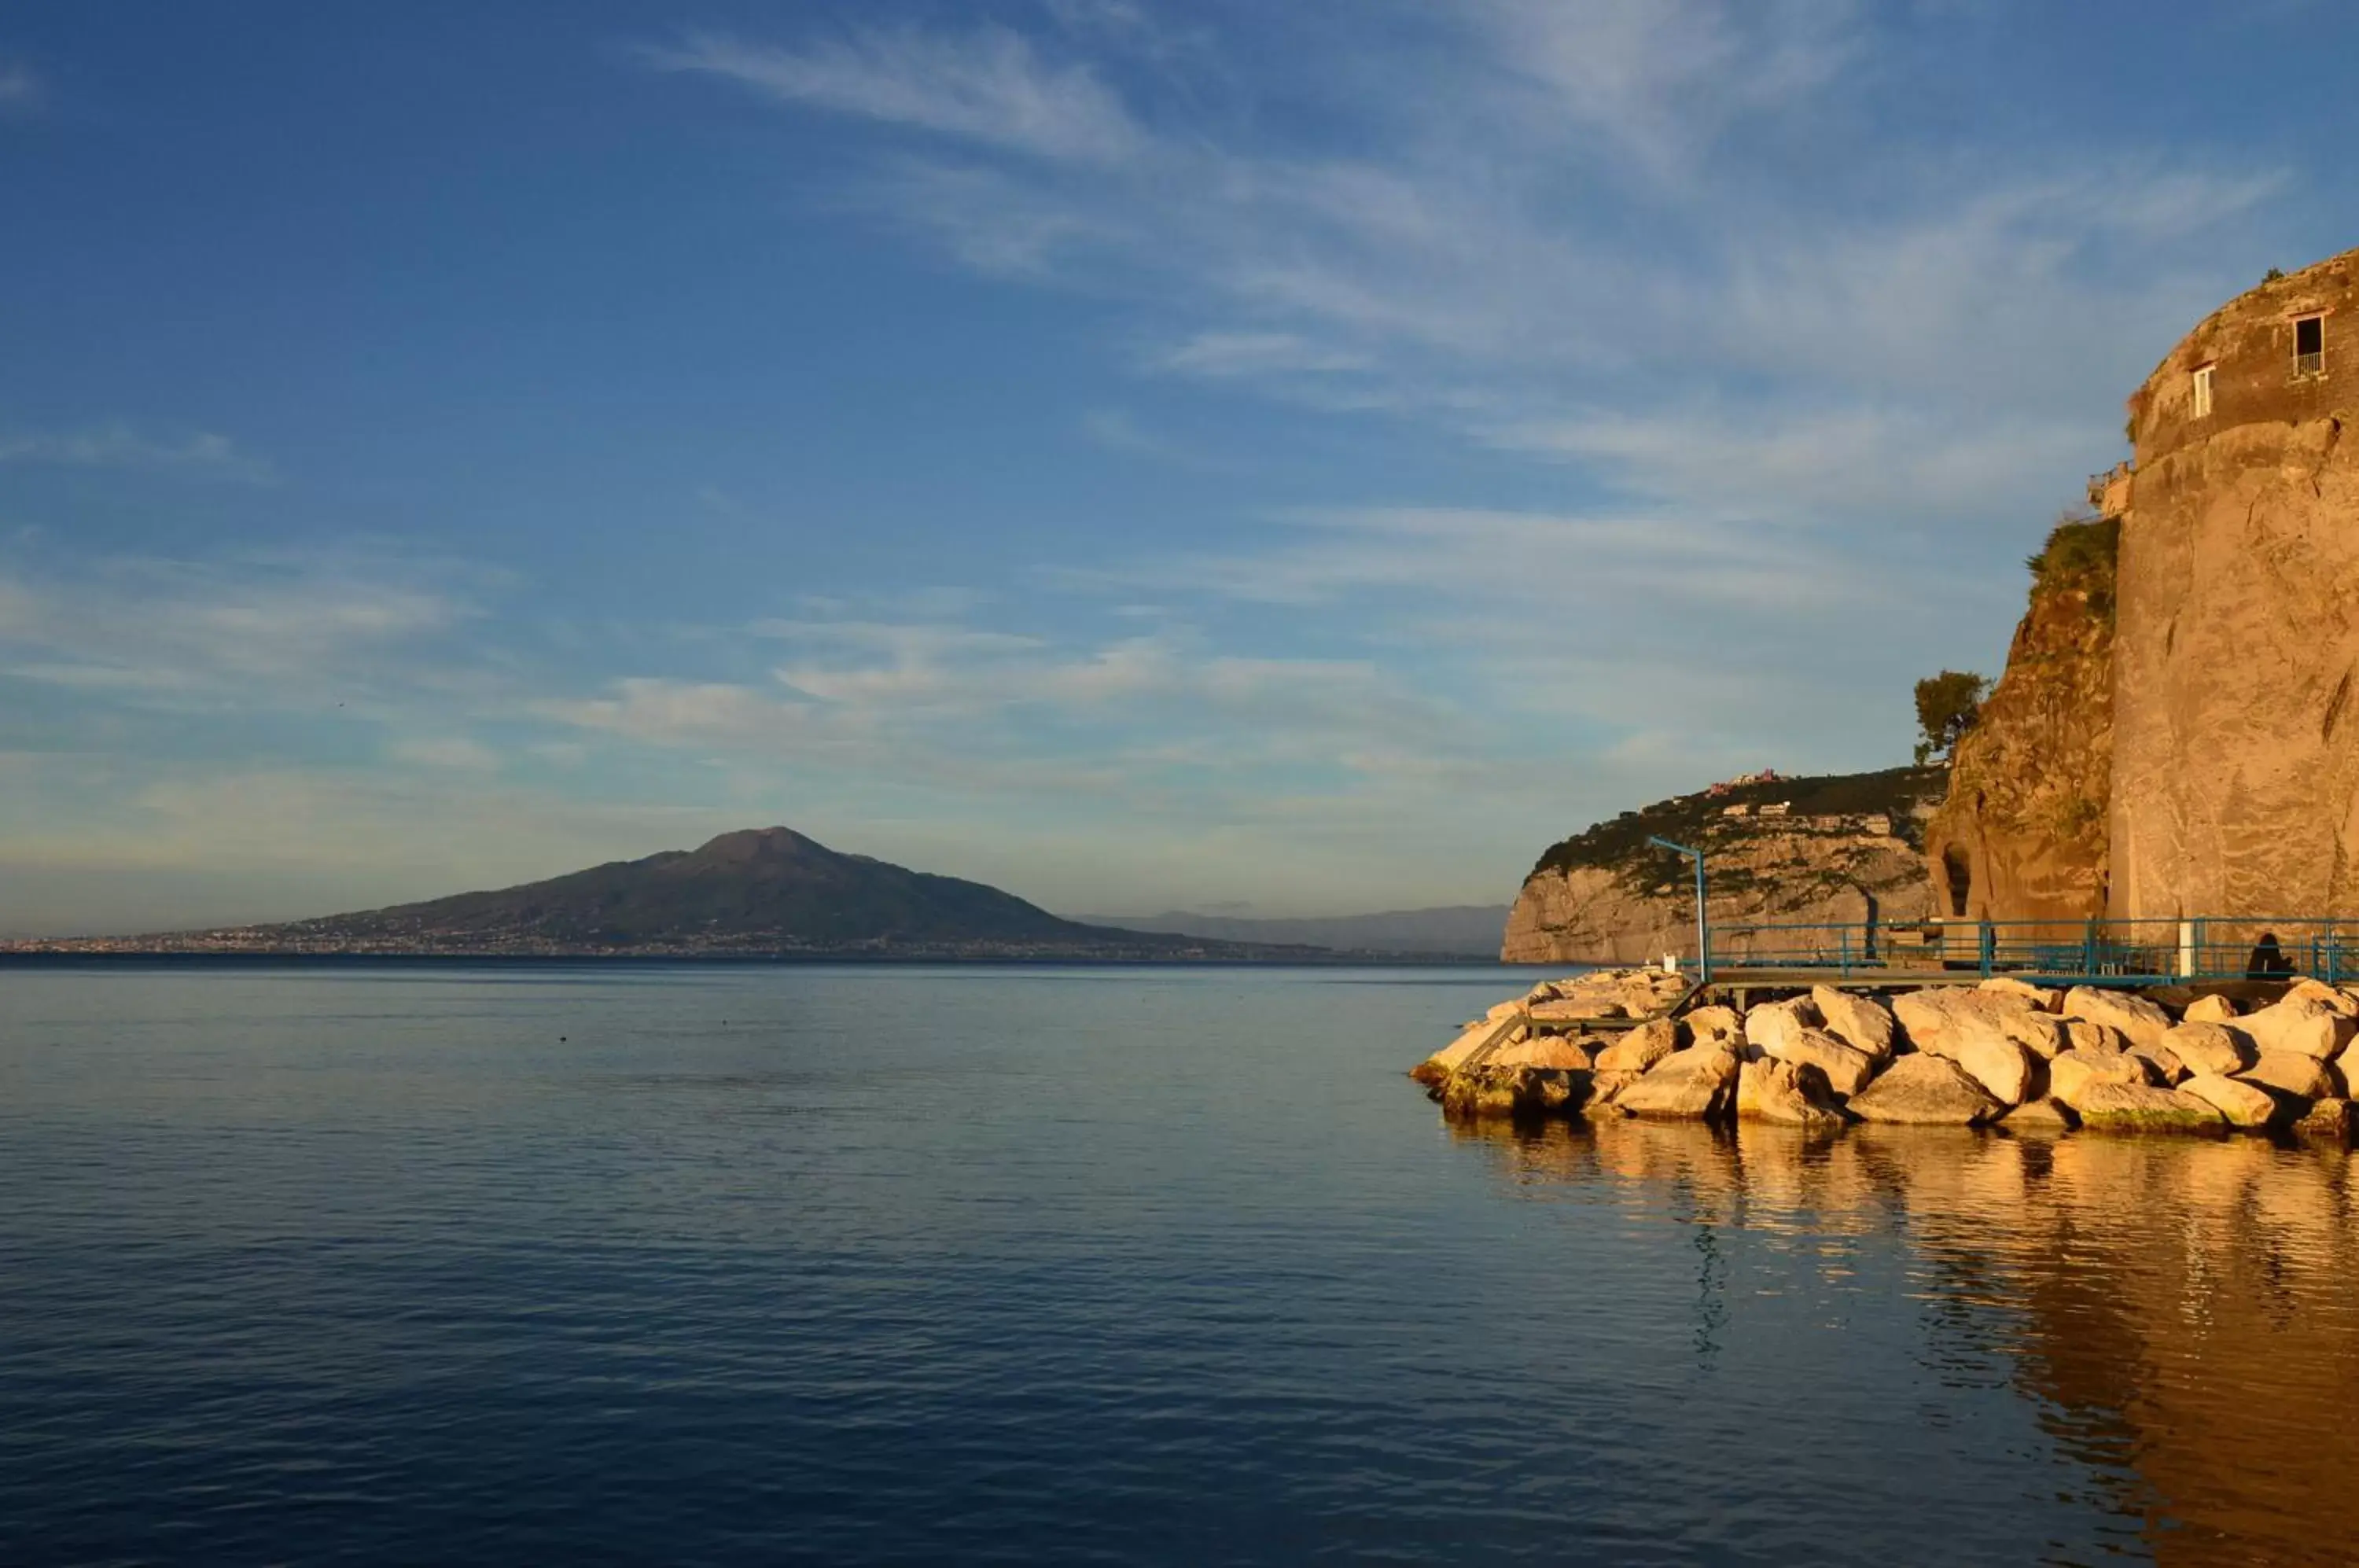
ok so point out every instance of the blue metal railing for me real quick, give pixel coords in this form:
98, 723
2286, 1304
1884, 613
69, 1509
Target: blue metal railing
2096, 952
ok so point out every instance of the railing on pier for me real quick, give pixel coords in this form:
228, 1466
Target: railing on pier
2091, 952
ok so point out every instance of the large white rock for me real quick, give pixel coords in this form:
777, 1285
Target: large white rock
1552, 1051
2142, 1020
2209, 1047
2292, 1073
2040, 996
1936, 1015
2211, 1009
2324, 994
2073, 1073
2167, 1068
2303, 1024
2141, 1107
1999, 1065
1847, 1069
1698, 1082
1861, 1022
1708, 1025
1925, 1090
1794, 1093
2244, 1104
2043, 1034
1771, 1024
2080, 1034
1639, 1049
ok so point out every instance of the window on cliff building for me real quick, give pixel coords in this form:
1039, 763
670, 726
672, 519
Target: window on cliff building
2203, 392
2310, 345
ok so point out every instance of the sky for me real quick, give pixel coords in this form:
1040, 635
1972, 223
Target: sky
1279, 459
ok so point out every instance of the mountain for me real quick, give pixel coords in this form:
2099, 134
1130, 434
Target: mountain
1458, 931
761, 891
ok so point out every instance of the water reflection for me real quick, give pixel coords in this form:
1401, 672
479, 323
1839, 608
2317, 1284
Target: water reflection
2181, 1311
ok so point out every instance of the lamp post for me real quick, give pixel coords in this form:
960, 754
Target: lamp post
1703, 932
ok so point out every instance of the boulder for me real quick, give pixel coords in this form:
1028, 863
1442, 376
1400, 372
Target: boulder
1552, 1050
2141, 1107
2211, 1009
2244, 1104
1436, 1069
2001, 1066
1505, 1010
1698, 1082
2301, 1023
1769, 1025
2142, 1020
1847, 1070
2290, 1073
2081, 1034
1641, 1048
1935, 1017
1925, 1090
2040, 996
2043, 1034
2324, 994
1714, 1024
2045, 1114
2073, 1073
2209, 1047
2328, 1121
1861, 1022
1604, 1088
1488, 1090
2167, 1068
1794, 1093
1565, 1011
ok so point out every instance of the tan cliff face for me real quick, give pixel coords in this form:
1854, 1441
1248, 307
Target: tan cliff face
2022, 834
1846, 849
2235, 774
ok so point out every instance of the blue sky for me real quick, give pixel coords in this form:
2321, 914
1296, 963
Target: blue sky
1290, 458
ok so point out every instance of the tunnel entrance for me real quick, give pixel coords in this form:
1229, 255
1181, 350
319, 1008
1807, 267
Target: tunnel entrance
1959, 872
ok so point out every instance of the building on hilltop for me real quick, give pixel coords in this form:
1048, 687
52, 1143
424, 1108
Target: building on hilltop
2235, 767
2173, 735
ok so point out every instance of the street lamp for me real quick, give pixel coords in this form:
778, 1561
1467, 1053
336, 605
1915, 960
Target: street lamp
1703, 932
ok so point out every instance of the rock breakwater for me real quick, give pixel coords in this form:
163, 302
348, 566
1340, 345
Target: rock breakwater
1634, 1042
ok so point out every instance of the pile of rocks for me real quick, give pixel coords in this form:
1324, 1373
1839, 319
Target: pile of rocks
1950, 1055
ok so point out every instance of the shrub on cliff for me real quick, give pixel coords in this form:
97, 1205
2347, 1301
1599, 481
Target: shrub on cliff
1947, 706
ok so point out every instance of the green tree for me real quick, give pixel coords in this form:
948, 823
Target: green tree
1947, 706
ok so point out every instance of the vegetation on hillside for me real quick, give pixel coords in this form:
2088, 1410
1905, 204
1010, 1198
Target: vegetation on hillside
1697, 820
1947, 706
2080, 556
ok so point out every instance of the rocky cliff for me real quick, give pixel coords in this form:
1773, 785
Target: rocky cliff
2236, 777
2022, 833
1840, 849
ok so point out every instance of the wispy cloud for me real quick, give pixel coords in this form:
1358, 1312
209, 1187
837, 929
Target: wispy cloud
21, 91
989, 86
122, 446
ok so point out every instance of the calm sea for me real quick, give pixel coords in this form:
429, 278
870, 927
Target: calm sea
782, 1265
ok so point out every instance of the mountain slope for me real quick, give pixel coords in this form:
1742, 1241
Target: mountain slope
1455, 931
764, 890
1837, 848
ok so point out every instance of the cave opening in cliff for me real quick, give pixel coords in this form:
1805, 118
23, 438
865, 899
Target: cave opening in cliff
1959, 872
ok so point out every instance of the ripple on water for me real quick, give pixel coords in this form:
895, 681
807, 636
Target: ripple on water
1035, 1266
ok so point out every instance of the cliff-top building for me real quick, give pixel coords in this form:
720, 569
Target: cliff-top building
2179, 738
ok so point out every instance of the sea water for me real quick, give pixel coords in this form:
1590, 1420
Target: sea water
626, 1263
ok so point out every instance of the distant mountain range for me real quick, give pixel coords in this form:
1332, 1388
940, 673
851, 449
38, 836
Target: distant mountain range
1456, 930
765, 891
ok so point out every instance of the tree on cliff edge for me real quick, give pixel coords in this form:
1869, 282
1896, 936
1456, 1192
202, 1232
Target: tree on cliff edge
1947, 706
